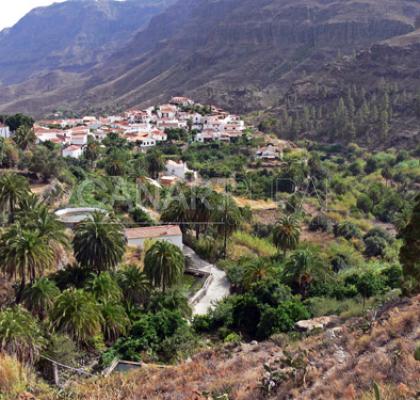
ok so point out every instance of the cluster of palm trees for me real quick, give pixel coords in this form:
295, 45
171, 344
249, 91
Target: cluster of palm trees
204, 210
32, 245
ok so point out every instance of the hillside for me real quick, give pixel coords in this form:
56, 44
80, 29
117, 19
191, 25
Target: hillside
343, 363
70, 36
379, 89
238, 54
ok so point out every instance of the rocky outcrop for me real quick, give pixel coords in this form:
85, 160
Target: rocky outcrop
315, 323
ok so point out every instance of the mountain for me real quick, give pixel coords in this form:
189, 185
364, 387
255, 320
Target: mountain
241, 54
371, 97
70, 36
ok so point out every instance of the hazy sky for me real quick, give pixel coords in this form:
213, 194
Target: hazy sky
13, 10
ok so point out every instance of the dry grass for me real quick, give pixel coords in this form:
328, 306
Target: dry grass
343, 363
18, 381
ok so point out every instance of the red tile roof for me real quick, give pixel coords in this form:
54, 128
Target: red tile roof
153, 232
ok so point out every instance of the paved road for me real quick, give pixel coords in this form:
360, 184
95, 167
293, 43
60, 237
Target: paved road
219, 287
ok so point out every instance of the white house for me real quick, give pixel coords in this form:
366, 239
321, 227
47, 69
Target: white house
170, 233
269, 152
148, 142
167, 111
178, 169
73, 151
4, 131
181, 101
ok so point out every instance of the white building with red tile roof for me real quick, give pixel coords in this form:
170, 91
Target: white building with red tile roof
136, 237
72, 151
181, 101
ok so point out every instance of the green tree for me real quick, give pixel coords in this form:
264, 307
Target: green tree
256, 271
105, 288
25, 255
92, 150
39, 298
20, 335
177, 211
77, 314
14, 122
135, 285
115, 322
99, 242
45, 163
24, 137
164, 264
286, 234
13, 189
155, 163
410, 250
302, 270
116, 162
34, 215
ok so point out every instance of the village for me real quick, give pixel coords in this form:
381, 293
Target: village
145, 128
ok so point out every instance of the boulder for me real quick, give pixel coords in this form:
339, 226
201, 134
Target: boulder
315, 323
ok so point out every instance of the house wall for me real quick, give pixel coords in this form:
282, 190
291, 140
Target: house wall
176, 240
5, 132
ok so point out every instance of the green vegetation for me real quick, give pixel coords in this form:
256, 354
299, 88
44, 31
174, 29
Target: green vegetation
339, 236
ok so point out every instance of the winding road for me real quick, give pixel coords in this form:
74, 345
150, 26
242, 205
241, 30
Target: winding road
218, 288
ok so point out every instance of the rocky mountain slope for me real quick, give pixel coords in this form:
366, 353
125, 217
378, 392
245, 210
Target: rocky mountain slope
71, 36
379, 88
240, 54
343, 362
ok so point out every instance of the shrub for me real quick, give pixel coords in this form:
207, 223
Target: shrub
281, 319
347, 230
393, 276
233, 338
375, 246
369, 284
364, 203
339, 262
320, 223
202, 323
379, 232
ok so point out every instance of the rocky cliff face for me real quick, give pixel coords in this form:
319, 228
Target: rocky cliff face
241, 54
70, 36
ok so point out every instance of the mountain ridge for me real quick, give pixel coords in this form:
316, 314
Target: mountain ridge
239, 55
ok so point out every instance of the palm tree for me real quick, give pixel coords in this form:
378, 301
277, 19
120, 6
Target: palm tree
177, 212
256, 270
286, 234
302, 269
115, 321
39, 298
155, 163
13, 189
20, 334
24, 137
34, 215
24, 254
228, 216
134, 284
77, 314
164, 264
105, 288
99, 242
202, 207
